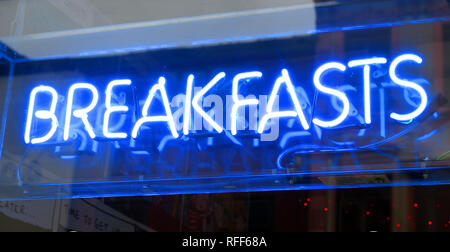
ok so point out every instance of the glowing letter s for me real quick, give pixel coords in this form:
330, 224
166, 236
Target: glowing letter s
146, 119
113, 109
80, 113
408, 84
317, 82
41, 114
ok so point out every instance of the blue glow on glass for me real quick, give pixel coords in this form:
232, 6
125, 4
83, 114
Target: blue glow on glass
367, 90
80, 113
114, 189
288, 136
241, 103
408, 84
41, 114
382, 112
341, 96
199, 95
285, 78
427, 136
188, 105
232, 138
113, 109
146, 119
236, 176
163, 142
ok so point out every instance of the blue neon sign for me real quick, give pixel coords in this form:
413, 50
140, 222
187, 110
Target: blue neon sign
359, 109
158, 92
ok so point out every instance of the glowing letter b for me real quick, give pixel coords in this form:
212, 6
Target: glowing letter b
41, 114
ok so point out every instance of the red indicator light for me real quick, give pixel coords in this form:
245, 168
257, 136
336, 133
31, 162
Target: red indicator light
416, 205
388, 218
398, 225
430, 223
367, 213
308, 199
325, 209
305, 204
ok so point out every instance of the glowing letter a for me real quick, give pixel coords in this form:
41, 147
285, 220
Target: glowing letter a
291, 90
146, 119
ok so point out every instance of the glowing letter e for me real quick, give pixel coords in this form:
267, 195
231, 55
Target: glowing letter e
146, 119
41, 114
113, 109
346, 110
408, 84
80, 113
